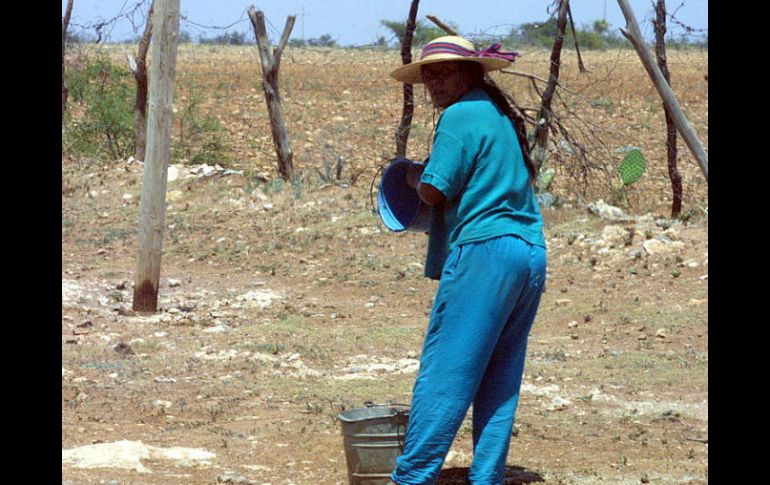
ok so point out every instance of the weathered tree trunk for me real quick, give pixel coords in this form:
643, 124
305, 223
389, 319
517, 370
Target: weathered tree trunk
402, 135
152, 206
669, 99
271, 63
660, 53
544, 113
64, 26
140, 74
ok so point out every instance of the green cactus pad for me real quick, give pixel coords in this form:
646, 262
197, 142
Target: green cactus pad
544, 179
632, 167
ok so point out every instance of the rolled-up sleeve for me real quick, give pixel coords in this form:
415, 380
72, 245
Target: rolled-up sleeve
450, 165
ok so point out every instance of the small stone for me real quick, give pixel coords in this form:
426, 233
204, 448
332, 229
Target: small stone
172, 283
563, 302
123, 349
661, 333
642, 337
572, 324
559, 403
126, 312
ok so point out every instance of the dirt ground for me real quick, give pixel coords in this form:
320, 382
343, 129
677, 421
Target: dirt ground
281, 306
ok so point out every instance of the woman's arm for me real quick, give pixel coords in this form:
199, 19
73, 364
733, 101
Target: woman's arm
428, 193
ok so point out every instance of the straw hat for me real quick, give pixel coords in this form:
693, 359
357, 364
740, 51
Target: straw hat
453, 48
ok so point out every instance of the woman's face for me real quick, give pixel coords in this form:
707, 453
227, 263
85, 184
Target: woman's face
447, 82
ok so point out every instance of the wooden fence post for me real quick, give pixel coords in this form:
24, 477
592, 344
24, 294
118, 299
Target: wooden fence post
271, 62
660, 53
402, 135
669, 99
140, 75
152, 206
64, 25
540, 148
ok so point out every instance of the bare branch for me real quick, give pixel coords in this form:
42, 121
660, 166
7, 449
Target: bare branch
449, 30
532, 76
669, 99
284, 38
574, 36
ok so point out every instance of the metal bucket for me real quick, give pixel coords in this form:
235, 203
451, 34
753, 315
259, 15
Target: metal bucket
373, 437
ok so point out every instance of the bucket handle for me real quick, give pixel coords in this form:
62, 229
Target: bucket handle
371, 189
399, 412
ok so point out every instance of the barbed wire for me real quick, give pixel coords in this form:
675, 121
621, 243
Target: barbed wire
689, 30
100, 25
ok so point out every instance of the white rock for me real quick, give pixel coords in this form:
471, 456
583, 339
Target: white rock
172, 283
170, 380
173, 173
606, 211
671, 233
661, 246
559, 403
259, 298
217, 329
129, 455
614, 234
128, 197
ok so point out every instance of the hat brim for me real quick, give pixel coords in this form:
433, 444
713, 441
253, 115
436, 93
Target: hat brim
412, 73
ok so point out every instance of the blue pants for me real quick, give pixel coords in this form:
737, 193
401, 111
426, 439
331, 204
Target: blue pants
473, 354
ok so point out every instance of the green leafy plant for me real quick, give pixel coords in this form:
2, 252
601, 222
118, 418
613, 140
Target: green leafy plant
105, 125
198, 137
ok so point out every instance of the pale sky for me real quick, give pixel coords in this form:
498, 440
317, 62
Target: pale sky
357, 22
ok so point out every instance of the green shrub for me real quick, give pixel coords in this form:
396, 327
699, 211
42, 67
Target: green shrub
106, 126
198, 137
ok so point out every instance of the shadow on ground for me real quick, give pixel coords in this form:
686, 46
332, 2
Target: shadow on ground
514, 475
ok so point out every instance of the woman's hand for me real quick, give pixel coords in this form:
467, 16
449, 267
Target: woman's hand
413, 174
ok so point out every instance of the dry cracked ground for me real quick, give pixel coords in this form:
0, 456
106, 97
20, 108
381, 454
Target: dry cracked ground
278, 311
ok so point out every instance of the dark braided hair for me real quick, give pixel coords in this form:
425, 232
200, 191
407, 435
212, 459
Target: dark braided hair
505, 103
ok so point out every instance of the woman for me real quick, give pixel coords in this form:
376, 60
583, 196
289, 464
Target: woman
488, 225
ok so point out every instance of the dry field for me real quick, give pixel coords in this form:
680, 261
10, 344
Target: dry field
283, 305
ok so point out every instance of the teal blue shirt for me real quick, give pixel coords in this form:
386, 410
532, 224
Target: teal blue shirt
477, 163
